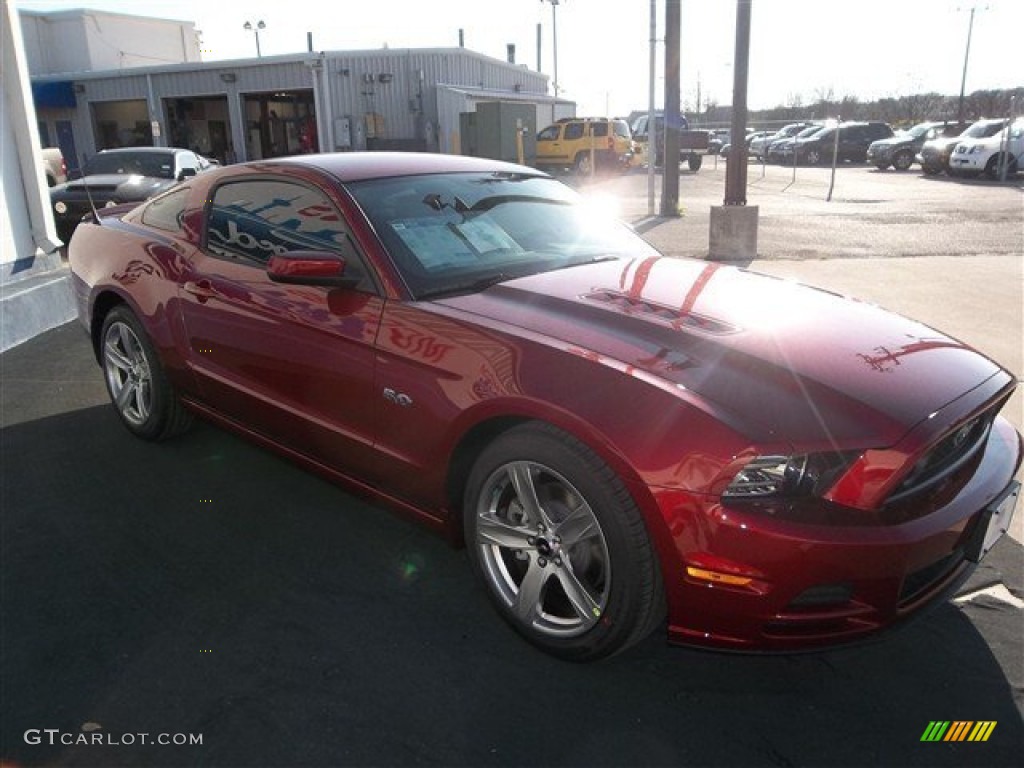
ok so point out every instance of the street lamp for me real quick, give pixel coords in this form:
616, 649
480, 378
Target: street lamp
554, 36
249, 27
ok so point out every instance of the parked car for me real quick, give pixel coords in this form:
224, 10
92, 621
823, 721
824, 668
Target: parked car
419, 327
900, 149
759, 146
751, 135
717, 139
54, 168
935, 153
781, 151
854, 140
974, 156
115, 176
571, 142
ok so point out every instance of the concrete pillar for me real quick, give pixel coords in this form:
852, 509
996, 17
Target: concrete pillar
733, 235
35, 288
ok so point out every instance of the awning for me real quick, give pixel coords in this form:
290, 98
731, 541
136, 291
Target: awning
59, 93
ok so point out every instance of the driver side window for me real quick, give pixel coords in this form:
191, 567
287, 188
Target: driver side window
256, 219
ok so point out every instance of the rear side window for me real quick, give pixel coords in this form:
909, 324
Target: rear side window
573, 131
165, 212
599, 129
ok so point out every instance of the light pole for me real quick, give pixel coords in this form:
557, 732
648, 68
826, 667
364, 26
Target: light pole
967, 53
250, 27
554, 36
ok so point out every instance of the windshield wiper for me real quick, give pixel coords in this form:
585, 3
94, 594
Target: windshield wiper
470, 286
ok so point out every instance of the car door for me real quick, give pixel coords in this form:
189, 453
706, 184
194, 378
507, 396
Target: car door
293, 363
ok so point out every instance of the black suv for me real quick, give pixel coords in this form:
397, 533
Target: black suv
854, 140
899, 151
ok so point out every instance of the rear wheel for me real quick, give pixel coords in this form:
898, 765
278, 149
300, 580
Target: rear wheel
560, 545
583, 165
813, 157
136, 382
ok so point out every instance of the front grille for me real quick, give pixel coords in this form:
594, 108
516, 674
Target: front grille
947, 456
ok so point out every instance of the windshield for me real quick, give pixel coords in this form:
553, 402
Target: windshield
982, 130
806, 132
920, 130
157, 164
459, 232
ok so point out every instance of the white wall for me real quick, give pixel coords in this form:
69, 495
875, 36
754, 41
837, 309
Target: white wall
85, 40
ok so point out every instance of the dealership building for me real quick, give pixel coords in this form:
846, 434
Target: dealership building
251, 109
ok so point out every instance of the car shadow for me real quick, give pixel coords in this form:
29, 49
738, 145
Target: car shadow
204, 586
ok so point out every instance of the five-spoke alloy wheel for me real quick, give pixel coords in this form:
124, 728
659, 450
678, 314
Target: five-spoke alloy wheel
560, 545
138, 387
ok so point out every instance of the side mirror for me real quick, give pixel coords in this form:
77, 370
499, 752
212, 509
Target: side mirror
184, 173
310, 268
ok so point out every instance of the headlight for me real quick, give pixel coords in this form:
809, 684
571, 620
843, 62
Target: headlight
800, 475
110, 203
975, 150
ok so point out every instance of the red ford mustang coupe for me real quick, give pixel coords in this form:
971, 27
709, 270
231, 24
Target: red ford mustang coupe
617, 437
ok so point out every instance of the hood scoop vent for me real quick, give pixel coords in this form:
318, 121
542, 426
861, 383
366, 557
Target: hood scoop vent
649, 310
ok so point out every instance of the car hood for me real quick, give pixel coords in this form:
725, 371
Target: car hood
892, 141
775, 359
132, 186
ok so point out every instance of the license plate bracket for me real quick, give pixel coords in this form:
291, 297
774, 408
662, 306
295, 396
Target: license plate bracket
993, 523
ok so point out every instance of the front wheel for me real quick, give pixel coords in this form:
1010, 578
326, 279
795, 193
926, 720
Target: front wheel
992, 167
136, 382
560, 545
903, 160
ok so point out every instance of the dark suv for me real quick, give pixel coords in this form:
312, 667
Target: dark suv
899, 150
854, 140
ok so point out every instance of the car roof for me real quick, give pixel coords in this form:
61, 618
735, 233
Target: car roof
360, 166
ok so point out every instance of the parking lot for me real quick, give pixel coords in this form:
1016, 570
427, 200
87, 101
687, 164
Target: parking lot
204, 586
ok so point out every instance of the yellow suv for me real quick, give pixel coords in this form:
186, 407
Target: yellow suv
568, 144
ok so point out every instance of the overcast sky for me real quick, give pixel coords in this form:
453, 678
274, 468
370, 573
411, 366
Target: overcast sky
799, 48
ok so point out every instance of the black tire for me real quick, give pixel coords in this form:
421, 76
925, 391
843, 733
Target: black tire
881, 166
902, 160
545, 517
930, 170
582, 166
694, 161
813, 157
144, 399
992, 167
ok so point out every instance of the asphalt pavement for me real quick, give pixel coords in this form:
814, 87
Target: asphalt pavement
206, 588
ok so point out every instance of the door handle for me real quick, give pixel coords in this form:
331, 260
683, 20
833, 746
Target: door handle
201, 289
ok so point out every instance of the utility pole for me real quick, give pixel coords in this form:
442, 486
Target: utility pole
670, 174
736, 171
967, 53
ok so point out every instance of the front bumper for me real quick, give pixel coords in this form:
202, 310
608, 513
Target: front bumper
880, 155
814, 586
